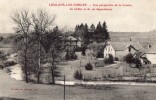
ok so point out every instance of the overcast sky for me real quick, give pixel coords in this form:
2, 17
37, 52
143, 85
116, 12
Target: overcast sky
140, 17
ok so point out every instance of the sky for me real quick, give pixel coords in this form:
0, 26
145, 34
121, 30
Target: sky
139, 17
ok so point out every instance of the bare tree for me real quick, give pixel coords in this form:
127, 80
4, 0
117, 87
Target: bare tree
42, 22
23, 26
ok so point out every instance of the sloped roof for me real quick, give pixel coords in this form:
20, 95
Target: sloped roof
118, 45
76, 36
124, 45
145, 44
152, 49
137, 46
139, 53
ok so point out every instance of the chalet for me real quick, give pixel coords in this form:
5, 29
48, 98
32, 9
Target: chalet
72, 41
121, 49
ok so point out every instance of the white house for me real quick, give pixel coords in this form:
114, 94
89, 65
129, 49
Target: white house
150, 54
150, 51
121, 49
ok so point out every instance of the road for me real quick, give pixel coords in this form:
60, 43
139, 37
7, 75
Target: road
11, 88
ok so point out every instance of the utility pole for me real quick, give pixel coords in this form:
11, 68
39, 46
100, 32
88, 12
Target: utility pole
64, 87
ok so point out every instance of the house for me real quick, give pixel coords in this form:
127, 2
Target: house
121, 49
150, 54
142, 57
72, 42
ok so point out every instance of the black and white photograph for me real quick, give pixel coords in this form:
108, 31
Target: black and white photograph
77, 50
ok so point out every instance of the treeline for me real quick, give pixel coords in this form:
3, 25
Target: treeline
92, 34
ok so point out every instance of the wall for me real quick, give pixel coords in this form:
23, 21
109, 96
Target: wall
109, 50
151, 57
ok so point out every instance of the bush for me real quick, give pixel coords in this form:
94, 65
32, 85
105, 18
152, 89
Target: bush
129, 58
83, 51
78, 75
109, 60
2, 56
137, 62
9, 63
116, 59
1, 66
78, 49
70, 56
89, 66
73, 56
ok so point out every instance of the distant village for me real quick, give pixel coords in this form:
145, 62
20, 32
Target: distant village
145, 50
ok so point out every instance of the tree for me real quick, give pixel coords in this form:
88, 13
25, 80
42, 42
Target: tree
42, 22
98, 33
86, 35
23, 23
52, 44
105, 31
92, 27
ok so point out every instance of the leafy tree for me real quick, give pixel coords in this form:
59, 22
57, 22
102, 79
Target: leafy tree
52, 44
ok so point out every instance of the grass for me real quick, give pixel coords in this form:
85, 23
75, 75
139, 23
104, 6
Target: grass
117, 71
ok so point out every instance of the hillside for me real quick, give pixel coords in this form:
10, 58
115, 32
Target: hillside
134, 36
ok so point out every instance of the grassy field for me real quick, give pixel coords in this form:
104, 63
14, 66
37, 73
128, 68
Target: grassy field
116, 71
18, 90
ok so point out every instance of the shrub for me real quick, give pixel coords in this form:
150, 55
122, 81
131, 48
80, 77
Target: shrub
70, 56
78, 49
2, 56
9, 63
137, 62
1, 66
83, 51
109, 60
67, 56
78, 75
73, 56
89, 66
129, 58
116, 59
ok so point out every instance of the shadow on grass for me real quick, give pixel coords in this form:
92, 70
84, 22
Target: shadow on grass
8, 98
102, 87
